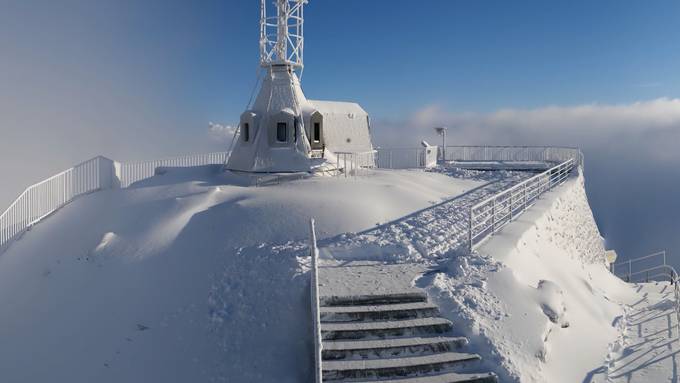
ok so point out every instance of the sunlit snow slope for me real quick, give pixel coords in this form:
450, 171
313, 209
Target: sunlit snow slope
171, 281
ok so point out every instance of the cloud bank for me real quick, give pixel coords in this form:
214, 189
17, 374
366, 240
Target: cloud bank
631, 152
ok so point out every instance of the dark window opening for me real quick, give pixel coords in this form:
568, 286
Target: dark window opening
281, 132
246, 132
317, 132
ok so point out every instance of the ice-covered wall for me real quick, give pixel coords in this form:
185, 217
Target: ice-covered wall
536, 300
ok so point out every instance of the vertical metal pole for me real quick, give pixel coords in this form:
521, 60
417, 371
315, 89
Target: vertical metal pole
493, 216
344, 156
470, 218
630, 269
314, 253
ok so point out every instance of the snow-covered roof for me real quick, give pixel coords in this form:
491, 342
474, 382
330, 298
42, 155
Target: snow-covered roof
338, 107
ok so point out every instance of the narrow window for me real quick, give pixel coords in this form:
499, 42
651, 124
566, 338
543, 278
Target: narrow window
317, 132
246, 132
281, 132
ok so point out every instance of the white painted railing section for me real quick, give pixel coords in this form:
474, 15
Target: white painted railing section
99, 173
491, 214
316, 315
45, 197
131, 172
513, 153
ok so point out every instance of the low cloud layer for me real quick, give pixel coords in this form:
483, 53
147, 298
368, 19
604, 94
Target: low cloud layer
631, 152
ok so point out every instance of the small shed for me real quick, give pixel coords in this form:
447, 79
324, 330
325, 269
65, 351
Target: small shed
339, 127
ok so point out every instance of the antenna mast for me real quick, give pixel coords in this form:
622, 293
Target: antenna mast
281, 34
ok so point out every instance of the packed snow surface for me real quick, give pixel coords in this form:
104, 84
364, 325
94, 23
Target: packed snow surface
186, 277
192, 276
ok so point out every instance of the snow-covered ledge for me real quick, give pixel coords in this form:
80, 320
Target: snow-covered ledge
535, 298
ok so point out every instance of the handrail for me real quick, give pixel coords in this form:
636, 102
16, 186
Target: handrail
316, 316
496, 211
47, 196
555, 154
352, 163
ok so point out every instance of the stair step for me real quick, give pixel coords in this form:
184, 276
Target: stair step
378, 312
383, 329
374, 299
382, 348
451, 377
390, 343
393, 367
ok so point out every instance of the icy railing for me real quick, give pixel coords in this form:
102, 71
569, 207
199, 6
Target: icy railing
556, 154
316, 315
45, 197
404, 158
354, 163
652, 267
131, 172
489, 215
420, 157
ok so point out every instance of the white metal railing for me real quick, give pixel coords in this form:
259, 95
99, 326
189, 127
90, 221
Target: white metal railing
401, 158
654, 268
556, 154
316, 315
643, 269
46, 197
489, 215
354, 163
131, 172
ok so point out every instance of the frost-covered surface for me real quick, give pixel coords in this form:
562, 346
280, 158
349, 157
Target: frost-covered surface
185, 277
647, 347
190, 277
536, 300
425, 235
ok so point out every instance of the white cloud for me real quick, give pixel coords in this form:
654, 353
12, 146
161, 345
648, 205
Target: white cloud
221, 133
649, 128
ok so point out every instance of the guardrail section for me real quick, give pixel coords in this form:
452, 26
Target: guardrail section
45, 197
491, 214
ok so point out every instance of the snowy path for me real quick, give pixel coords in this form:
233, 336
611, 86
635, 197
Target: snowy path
426, 234
647, 350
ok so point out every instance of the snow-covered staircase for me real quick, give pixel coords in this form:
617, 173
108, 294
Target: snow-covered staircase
395, 337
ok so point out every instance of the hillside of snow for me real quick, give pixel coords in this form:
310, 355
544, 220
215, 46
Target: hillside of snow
537, 299
186, 277
194, 276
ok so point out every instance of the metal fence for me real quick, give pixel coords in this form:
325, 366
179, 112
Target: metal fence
491, 214
651, 267
513, 153
401, 158
354, 163
45, 197
131, 172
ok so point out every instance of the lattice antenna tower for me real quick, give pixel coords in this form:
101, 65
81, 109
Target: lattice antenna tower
282, 33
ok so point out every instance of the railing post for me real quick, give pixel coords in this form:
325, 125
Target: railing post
314, 253
493, 216
511, 209
470, 219
630, 269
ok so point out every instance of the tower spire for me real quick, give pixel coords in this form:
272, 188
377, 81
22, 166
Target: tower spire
281, 33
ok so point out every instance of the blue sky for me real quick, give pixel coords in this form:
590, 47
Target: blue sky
134, 79
392, 56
